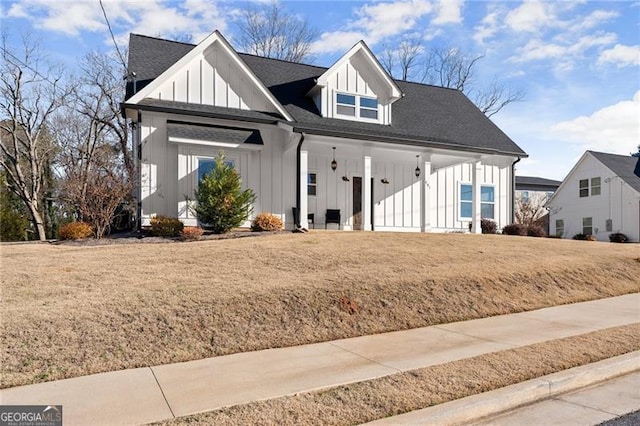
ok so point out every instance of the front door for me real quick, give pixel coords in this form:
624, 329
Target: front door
357, 203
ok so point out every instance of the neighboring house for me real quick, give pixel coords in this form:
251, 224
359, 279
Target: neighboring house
532, 195
599, 196
390, 155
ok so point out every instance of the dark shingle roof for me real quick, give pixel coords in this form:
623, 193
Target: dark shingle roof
213, 133
624, 166
425, 116
532, 183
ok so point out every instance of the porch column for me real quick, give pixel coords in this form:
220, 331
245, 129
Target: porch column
425, 194
304, 198
476, 176
366, 189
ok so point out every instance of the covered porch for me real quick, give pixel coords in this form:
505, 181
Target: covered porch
401, 188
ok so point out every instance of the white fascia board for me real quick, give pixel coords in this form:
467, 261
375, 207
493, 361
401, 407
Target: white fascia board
244, 146
396, 93
215, 36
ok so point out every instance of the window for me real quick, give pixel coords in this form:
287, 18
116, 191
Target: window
357, 106
595, 186
206, 165
346, 105
466, 196
487, 201
369, 108
312, 184
584, 188
587, 226
525, 195
609, 225
560, 227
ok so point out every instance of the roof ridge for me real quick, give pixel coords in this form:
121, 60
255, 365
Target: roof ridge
163, 39
282, 60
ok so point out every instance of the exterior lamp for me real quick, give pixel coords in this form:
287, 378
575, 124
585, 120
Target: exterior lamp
334, 163
418, 171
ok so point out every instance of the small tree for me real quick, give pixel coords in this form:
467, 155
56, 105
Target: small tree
221, 204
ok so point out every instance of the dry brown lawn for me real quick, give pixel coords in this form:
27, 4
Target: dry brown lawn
400, 393
68, 311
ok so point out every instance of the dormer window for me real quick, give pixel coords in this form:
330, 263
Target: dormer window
356, 106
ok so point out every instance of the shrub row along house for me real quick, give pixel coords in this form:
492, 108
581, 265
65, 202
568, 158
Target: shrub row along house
376, 153
600, 196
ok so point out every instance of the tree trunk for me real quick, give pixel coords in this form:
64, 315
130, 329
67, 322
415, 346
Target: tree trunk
37, 221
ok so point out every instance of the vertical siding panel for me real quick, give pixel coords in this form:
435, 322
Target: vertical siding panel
407, 198
207, 83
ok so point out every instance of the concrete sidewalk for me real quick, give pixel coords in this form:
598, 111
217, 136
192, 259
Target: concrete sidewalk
146, 395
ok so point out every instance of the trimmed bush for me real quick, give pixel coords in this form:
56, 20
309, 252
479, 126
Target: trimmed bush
192, 233
75, 231
266, 222
488, 226
163, 226
536, 231
581, 237
618, 237
515, 229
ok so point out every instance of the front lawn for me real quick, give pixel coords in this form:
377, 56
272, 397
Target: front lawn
71, 310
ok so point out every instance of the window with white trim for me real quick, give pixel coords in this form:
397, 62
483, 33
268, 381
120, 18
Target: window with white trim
206, 166
595, 188
587, 225
312, 184
487, 201
559, 227
356, 106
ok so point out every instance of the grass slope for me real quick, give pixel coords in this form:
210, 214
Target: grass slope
68, 311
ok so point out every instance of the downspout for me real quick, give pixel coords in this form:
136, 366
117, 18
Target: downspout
513, 189
296, 219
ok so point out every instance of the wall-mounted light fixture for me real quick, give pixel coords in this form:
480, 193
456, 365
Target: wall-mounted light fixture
418, 171
345, 178
385, 181
334, 163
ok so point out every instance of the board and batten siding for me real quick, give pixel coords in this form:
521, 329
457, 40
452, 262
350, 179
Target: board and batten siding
169, 170
445, 193
213, 79
353, 77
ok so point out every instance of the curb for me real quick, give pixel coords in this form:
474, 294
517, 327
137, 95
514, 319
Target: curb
471, 408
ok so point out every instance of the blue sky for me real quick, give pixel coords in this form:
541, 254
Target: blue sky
577, 61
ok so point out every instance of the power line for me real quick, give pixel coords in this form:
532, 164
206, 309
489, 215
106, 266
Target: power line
104, 13
24, 64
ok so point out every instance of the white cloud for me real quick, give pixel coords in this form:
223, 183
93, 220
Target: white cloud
615, 128
565, 52
337, 41
594, 19
151, 17
448, 12
621, 55
530, 16
375, 22
488, 27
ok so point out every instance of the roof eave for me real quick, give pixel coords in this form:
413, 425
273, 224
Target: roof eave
210, 114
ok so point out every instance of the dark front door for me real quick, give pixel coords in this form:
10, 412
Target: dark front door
357, 203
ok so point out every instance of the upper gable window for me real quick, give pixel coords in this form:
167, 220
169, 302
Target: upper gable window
356, 106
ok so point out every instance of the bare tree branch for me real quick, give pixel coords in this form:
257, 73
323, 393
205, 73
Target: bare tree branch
271, 32
30, 93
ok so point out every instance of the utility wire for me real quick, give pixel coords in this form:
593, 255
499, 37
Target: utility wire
21, 62
104, 13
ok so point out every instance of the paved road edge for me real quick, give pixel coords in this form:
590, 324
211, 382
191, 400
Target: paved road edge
475, 407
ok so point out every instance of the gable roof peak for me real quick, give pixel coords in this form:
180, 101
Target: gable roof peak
361, 47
